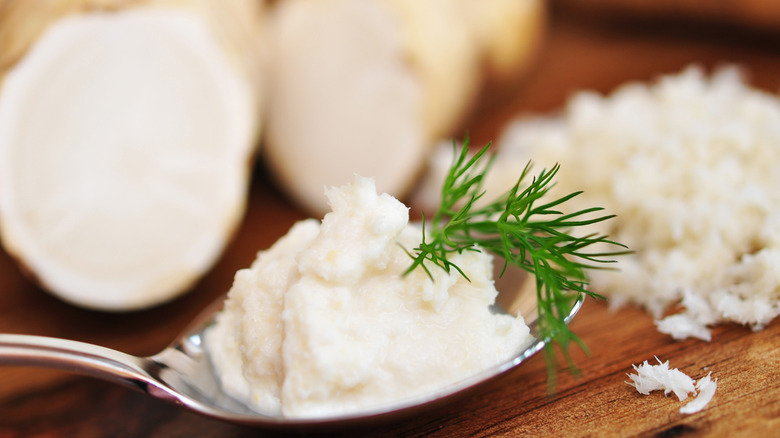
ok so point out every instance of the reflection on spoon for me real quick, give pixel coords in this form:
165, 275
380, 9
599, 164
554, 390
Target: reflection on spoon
182, 374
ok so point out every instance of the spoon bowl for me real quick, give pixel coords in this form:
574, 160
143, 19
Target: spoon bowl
182, 373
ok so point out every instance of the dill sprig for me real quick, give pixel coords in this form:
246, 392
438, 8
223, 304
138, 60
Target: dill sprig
527, 230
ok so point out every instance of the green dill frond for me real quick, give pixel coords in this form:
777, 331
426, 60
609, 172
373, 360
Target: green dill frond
527, 230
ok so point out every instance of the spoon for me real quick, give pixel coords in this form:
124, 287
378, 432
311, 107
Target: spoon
182, 373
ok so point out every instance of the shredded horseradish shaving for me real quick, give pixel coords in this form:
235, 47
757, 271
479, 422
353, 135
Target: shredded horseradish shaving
660, 377
688, 164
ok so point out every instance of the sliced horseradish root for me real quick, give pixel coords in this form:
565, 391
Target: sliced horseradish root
125, 145
365, 87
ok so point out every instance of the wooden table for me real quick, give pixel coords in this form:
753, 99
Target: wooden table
578, 54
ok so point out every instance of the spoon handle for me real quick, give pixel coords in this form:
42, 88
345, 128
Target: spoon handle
78, 357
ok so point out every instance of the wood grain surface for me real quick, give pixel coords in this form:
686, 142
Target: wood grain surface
579, 53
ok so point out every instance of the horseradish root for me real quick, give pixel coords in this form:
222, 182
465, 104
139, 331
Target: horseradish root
127, 131
365, 87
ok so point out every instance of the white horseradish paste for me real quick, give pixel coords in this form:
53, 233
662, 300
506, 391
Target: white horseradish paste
324, 323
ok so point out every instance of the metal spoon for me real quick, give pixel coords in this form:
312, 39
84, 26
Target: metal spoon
182, 373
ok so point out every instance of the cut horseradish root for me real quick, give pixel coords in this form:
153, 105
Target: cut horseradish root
126, 138
364, 87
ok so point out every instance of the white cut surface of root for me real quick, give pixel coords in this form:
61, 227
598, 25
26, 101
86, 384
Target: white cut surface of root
367, 86
340, 61
125, 144
660, 377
